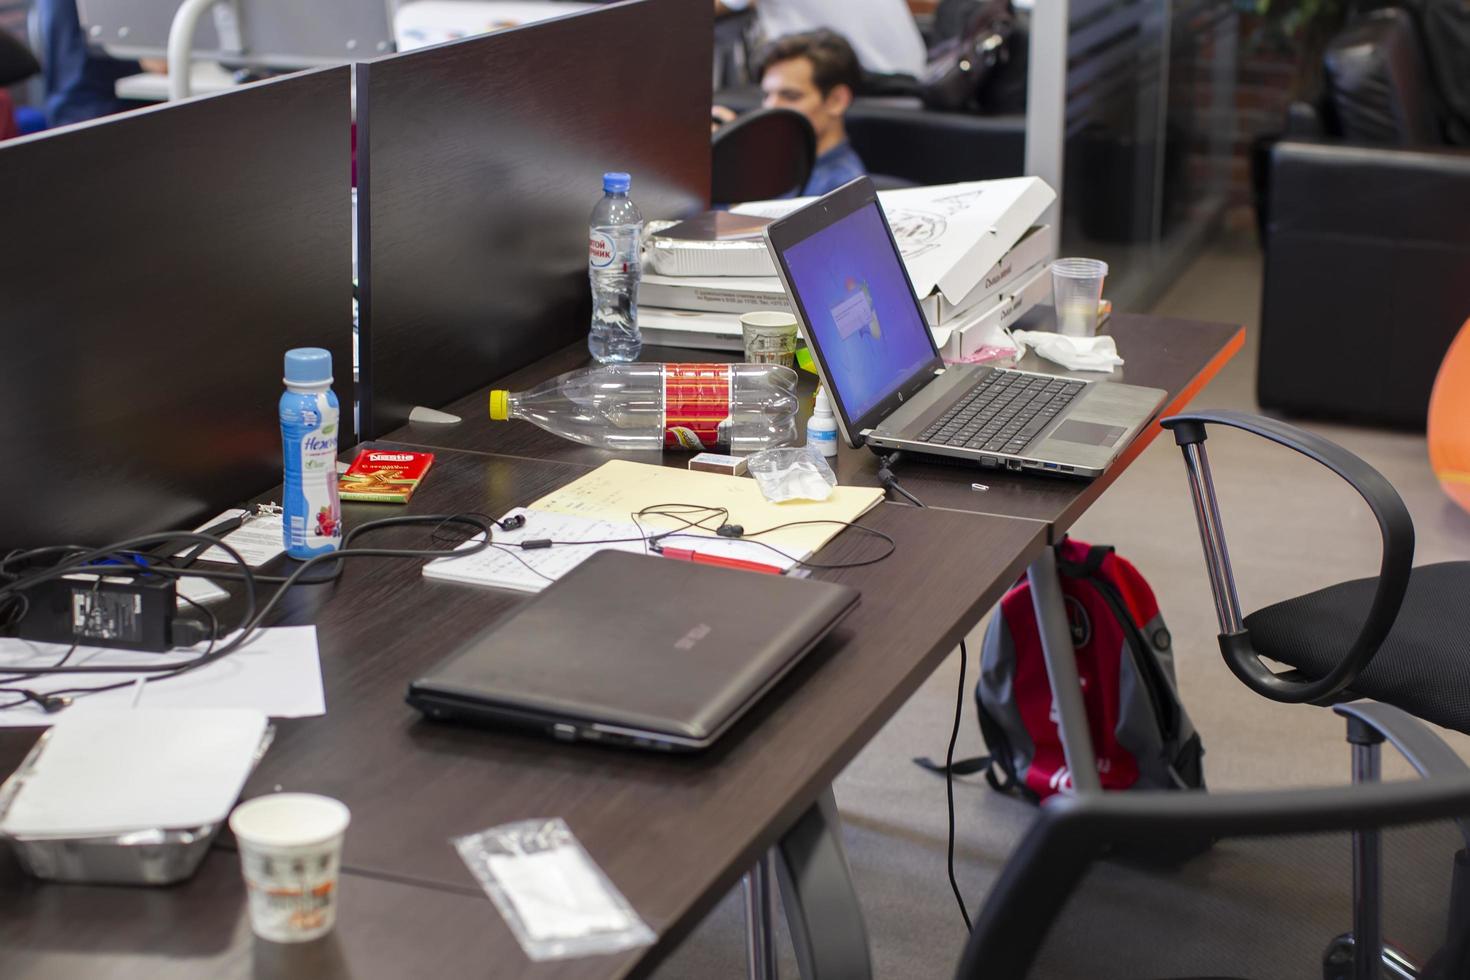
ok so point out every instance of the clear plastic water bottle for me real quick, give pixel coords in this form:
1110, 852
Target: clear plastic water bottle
741, 407
309, 430
614, 264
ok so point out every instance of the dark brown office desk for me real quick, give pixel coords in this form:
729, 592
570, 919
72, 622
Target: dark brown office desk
200, 929
675, 833
1179, 356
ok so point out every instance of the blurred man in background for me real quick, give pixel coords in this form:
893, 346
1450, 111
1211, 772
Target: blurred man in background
815, 74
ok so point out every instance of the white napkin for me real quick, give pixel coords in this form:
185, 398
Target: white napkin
1073, 353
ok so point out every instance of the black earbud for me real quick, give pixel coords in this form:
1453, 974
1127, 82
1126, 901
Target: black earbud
730, 531
512, 522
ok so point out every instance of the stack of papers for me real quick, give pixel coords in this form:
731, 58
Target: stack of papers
971, 249
596, 512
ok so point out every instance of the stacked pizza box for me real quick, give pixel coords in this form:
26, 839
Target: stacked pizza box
975, 252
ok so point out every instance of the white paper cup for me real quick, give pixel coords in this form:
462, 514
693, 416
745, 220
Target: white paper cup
1077, 286
290, 853
769, 337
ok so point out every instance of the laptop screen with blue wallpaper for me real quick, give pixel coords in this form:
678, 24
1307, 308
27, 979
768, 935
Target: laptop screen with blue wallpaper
860, 307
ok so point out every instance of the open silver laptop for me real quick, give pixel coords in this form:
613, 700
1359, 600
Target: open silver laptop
889, 387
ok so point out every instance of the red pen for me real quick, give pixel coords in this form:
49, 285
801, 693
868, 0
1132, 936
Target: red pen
684, 554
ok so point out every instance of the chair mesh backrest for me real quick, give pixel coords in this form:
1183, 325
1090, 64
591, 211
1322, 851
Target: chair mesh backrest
1263, 909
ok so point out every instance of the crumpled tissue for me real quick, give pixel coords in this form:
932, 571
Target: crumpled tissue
1073, 353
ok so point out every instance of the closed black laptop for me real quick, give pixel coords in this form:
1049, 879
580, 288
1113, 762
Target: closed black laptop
636, 650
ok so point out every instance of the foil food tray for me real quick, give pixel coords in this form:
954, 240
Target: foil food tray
156, 856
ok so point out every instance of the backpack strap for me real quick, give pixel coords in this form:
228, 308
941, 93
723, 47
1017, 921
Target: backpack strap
1090, 565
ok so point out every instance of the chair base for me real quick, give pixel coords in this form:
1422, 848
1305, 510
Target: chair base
1340, 962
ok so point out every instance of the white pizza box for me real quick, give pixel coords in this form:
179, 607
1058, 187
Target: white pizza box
951, 235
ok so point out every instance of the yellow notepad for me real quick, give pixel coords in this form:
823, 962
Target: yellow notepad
616, 490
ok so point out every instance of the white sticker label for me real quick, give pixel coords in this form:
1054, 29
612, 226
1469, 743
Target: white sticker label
601, 250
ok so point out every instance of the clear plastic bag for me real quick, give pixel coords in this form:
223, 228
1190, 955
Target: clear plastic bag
792, 474
556, 900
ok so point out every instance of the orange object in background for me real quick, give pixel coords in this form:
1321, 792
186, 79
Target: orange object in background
1449, 421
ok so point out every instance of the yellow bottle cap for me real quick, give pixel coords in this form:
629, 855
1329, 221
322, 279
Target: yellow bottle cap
499, 404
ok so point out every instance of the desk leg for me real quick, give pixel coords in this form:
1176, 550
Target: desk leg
1061, 668
760, 934
821, 906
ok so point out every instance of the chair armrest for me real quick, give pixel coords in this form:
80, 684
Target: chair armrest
1303, 121
1430, 755
1394, 523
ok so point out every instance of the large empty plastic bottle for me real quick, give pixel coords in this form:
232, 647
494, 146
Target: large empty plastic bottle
740, 407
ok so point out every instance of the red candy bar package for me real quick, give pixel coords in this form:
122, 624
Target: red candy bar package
384, 476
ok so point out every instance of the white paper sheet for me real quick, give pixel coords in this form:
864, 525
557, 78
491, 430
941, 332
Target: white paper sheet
258, 540
201, 590
277, 671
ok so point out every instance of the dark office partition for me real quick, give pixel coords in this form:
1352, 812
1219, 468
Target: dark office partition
479, 162
154, 267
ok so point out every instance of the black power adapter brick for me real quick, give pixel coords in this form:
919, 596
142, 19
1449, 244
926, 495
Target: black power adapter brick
130, 614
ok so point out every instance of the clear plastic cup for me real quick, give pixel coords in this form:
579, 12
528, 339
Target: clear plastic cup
1077, 286
769, 337
290, 854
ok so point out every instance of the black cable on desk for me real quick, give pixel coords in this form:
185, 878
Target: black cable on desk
82, 560
886, 463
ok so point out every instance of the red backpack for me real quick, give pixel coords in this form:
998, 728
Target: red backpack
1140, 731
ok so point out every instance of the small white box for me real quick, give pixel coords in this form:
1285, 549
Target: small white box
962, 338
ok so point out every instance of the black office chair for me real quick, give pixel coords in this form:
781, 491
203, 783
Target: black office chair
1412, 650
761, 155
1073, 834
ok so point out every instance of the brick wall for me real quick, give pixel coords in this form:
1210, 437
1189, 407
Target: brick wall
1265, 83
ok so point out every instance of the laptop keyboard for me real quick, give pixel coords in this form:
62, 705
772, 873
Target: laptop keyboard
1003, 412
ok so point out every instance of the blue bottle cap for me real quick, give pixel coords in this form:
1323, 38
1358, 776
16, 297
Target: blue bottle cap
308, 366
616, 182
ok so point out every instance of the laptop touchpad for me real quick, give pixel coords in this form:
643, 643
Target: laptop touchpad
1088, 433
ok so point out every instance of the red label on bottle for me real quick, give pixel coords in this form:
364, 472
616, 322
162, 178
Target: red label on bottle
696, 404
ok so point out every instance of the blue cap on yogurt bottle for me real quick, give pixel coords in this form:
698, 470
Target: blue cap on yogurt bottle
308, 366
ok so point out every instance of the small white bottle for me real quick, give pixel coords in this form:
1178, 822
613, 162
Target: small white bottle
821, 428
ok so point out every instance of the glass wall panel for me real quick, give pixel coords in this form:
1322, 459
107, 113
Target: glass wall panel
1150, 90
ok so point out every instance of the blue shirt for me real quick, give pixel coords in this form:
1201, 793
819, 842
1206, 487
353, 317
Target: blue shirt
833, 169
79, 81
